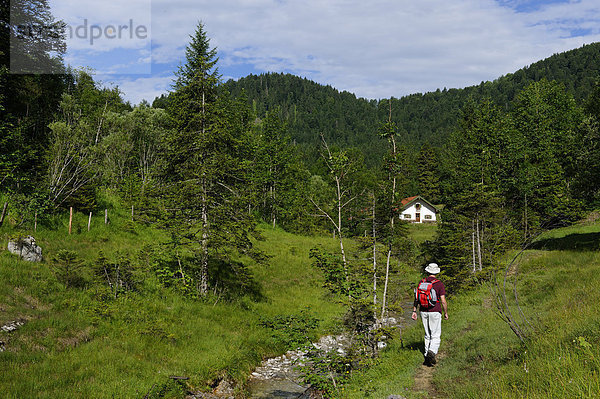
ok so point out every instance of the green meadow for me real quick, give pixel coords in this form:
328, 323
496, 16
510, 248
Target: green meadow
481, 357
77, 342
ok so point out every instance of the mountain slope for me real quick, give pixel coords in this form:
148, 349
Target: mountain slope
311, 108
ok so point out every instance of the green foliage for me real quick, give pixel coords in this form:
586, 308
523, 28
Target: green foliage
586, 182
75, 153
118, 274
507, 174
205, 201
132, 150
277, 173
172, 388
327, 373
292, 331
333, 270
429, 172
135, 341
429, 117
170, 273
67, 267
28, 100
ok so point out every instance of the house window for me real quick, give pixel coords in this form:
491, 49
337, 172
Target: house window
418, 207
428, 217
406, 216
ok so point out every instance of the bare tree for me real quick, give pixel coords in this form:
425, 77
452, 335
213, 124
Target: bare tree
340, 167
388, 131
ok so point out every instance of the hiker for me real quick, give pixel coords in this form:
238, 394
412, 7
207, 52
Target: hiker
430, 296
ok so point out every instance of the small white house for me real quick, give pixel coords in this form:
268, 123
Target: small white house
418, 210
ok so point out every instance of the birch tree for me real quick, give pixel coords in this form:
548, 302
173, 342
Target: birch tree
388, 131
74, 155
341, 166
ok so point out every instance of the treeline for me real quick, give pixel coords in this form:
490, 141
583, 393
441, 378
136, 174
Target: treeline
310, 108
507, 175
207, 164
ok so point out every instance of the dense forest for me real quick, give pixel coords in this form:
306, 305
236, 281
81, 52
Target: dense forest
310, 108
210, 161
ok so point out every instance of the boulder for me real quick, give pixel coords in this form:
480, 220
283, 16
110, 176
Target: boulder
26, 248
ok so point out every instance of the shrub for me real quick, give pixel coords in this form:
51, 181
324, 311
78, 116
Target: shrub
67, 268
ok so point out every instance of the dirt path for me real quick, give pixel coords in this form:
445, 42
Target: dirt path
424, 379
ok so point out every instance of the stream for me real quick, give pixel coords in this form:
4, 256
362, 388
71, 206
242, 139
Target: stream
278, 378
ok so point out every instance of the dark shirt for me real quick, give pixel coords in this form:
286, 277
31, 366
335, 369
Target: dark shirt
440, 290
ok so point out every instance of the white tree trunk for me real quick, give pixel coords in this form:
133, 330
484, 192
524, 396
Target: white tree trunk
204, 242
473, 245
479, 247
374, 258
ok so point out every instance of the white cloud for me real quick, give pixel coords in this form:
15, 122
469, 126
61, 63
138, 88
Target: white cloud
101, 31
137, 89
378, 48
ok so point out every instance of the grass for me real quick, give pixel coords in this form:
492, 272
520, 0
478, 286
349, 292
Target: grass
421, 232
77, 343
483, 358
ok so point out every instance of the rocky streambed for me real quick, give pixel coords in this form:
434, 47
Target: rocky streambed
279, 377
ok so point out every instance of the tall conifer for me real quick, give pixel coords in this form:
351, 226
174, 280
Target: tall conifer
206, 169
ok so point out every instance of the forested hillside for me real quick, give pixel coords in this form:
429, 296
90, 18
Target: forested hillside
311, 108
230, 202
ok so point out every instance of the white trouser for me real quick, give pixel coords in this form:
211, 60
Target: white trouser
432, 322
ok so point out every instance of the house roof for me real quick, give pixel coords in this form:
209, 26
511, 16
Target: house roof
406, 202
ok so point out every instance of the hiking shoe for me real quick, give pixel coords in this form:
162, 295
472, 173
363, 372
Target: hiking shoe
427, 362
430, 358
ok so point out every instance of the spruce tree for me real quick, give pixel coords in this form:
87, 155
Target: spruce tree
207, 172
429, 182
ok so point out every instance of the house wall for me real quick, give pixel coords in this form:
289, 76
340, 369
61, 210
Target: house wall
427, 213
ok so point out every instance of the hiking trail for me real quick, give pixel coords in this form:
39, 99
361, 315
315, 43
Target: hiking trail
424, 379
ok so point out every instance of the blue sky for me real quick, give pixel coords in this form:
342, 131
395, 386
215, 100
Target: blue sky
375, 49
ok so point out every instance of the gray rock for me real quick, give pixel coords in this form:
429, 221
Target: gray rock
224, 390
12, 326
26, 248
395, 397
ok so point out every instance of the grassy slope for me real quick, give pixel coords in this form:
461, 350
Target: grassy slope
483, 359
75, 345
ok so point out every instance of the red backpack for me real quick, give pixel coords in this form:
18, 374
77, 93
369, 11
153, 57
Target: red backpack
425, 293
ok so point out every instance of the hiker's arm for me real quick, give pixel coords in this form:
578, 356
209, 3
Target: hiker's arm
414, 313
444, 306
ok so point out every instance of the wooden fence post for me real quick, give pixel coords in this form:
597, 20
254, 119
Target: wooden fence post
90, 221
70, 219
132, 213
35, 223
3, 213
105, 216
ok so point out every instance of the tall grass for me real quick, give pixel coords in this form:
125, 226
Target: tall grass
483, 358
77, 343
